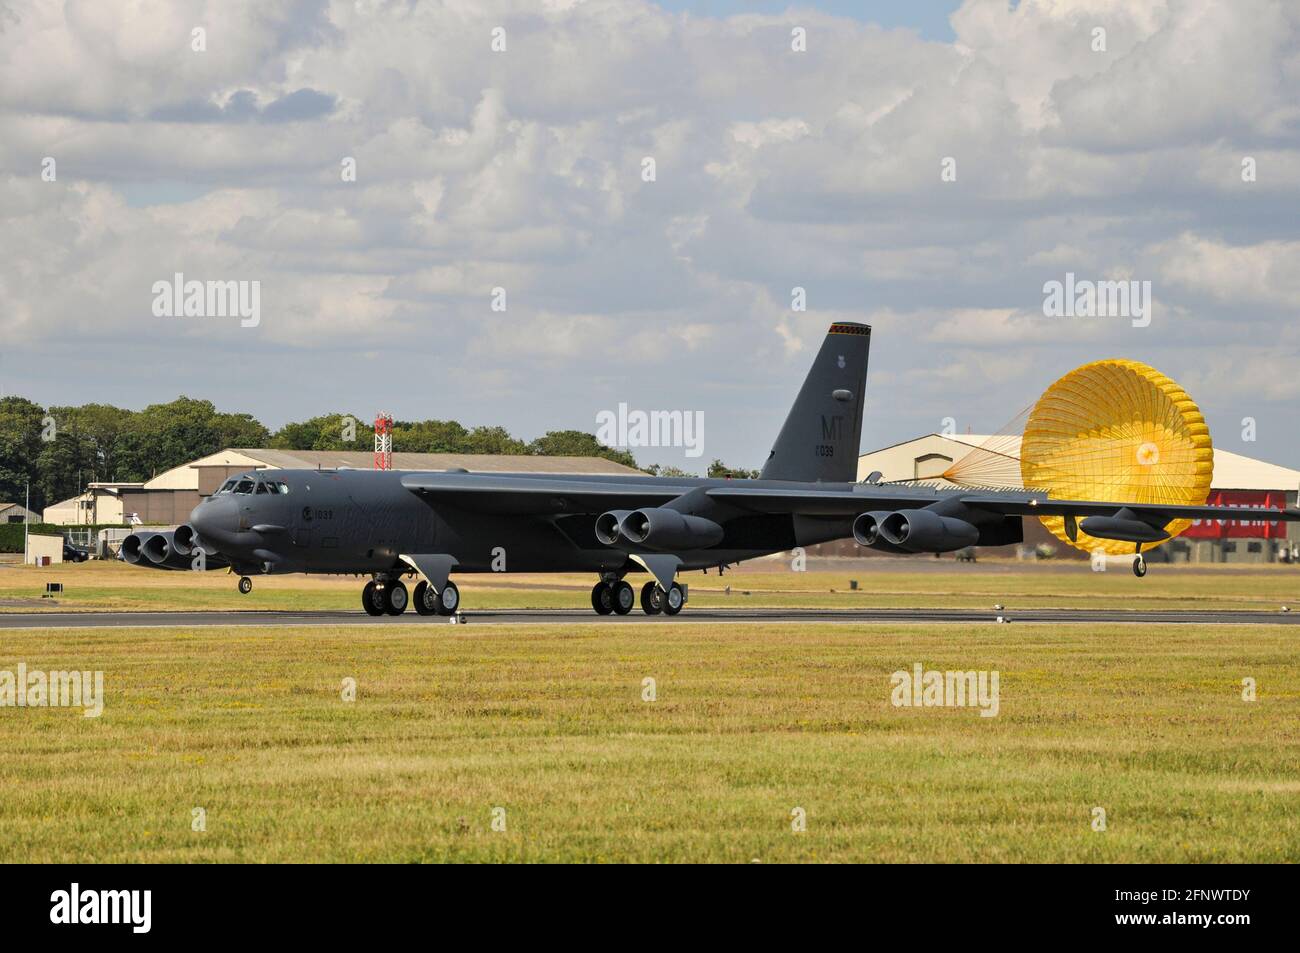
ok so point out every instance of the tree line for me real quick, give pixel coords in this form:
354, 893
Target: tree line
61, 449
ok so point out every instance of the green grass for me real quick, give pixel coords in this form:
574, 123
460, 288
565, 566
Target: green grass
101, 586
750, 722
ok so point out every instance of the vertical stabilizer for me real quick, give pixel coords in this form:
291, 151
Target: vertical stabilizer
822, 436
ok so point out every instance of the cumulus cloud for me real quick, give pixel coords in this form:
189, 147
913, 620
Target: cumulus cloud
526, 170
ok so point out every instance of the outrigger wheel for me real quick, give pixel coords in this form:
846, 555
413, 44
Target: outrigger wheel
1139, 566
245, 585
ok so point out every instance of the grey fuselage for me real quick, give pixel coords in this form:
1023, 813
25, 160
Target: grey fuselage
362, 521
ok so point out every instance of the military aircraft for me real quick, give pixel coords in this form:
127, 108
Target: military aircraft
390, 524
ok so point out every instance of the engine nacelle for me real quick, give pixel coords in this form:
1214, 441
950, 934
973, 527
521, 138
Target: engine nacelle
184, 539
609, 526
130, 548
924, 531
160, 550
665, 529
866, 528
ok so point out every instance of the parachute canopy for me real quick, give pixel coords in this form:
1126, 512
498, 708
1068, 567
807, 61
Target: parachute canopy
1114, 431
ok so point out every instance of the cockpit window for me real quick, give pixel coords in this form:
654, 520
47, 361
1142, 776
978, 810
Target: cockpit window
278, 487
244, 486
228, 486
262, 488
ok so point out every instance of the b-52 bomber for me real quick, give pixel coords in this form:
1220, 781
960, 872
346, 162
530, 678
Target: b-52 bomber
395, 524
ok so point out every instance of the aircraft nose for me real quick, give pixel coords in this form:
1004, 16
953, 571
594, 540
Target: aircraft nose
215, 519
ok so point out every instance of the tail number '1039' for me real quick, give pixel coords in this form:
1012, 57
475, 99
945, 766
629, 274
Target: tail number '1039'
824, 450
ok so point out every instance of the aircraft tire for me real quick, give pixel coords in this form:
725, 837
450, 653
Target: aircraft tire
372, 599
245, 585
673, 600
396, 598
1139, 566
652, 600
602, 598
425, 600
449, 599
624, 597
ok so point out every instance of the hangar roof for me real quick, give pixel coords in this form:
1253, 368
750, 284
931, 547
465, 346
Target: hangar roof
1232, 471
484, 462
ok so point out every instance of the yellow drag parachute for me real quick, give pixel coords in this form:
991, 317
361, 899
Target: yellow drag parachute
1116, 431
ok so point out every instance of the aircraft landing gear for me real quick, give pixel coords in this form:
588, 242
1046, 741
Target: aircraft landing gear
430, 602
1139, 566
396, 597
602, 598
674, 599
245, 585
372, 599
652, 598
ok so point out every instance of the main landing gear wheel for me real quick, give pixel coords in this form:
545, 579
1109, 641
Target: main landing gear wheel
396, 598
674, 599
425, 599
602, 598
1139, 566
652, 598
624, 597
373, 599
449, 599
245, 585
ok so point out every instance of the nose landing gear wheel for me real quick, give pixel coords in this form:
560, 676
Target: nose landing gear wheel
395, 598
1139, 566
245, 585
674, 599
372, 599
602, 598
652, 598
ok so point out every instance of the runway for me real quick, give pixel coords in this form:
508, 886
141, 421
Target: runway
571, 617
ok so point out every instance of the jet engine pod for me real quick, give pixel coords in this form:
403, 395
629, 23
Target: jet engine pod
184, 539
665, 529
609, 526
924, 531
157, 548
866, 528
131, 548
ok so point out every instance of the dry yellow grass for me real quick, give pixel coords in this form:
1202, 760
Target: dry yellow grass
750, 722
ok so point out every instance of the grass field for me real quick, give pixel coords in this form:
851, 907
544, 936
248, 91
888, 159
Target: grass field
112, 585
750, 721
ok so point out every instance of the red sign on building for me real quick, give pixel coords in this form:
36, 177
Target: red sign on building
1241, 529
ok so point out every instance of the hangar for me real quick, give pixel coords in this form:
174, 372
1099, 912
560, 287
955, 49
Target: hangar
1238, 481
168, 498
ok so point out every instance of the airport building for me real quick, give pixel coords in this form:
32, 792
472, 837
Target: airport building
169, 497
1238, 481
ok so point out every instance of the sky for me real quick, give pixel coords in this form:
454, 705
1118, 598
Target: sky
502, 254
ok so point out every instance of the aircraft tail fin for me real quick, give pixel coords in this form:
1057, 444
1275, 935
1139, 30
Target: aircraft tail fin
822, 435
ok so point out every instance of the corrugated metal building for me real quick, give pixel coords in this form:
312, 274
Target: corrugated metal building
168, 498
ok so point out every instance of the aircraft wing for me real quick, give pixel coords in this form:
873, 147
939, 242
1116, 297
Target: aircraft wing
537, 495
865, 497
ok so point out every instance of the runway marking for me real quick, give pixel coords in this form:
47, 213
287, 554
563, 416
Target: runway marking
257, 618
